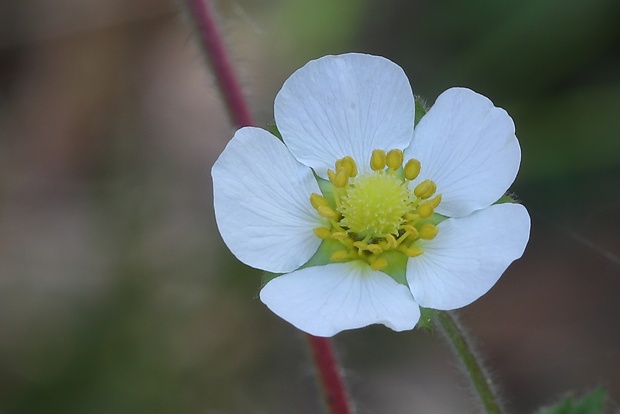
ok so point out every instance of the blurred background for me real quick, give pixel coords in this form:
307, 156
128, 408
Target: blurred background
117, 294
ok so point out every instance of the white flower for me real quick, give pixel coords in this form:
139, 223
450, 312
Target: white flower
367, 218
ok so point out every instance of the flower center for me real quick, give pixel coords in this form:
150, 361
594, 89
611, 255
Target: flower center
374, 205
376, 212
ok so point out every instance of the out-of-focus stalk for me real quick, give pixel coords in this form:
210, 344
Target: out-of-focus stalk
328, 370
213, 46
480, 379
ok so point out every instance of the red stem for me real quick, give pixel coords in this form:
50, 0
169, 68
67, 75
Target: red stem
322, 351
215, 50
329, 374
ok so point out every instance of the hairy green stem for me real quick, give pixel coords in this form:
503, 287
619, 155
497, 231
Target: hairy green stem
457, 337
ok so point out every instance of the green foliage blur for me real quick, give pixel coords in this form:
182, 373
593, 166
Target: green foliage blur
593, 403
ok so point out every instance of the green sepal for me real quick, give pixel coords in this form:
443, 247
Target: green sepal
268, 277
507, 198
434, 219
426, 318
273, 128
420, 109
327, 188
397, 266
593, 403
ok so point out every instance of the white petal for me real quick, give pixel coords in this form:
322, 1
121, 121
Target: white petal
345, 105
468, 256
324, 300
469, 148
262, 202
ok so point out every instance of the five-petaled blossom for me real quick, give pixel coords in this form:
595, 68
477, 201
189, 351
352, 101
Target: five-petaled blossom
367, 218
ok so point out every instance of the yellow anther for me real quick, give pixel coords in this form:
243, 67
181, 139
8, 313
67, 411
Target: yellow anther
411, 217
374, 248
331, 175
428, 231
323, 233
391, 241
379, 264
339, 235
347, 242
425, 189
428, 208
341, 178
412, 169
412, 231
394, 159
360, 245
435, 200
318, 201
377, 160
339, 255
412, 251
348, 163
327, 212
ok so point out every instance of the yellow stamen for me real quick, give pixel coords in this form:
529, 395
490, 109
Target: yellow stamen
411, 217
360, 245
377, 160
411, 231
318, 201
394, 159
323, 233
435, 200
340, 235
331, 175
328, 212
348, 163
427, 209
374, 248
412, 251
428, 231
379, 264
425, 189
412, 169
391, 241
341, 178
